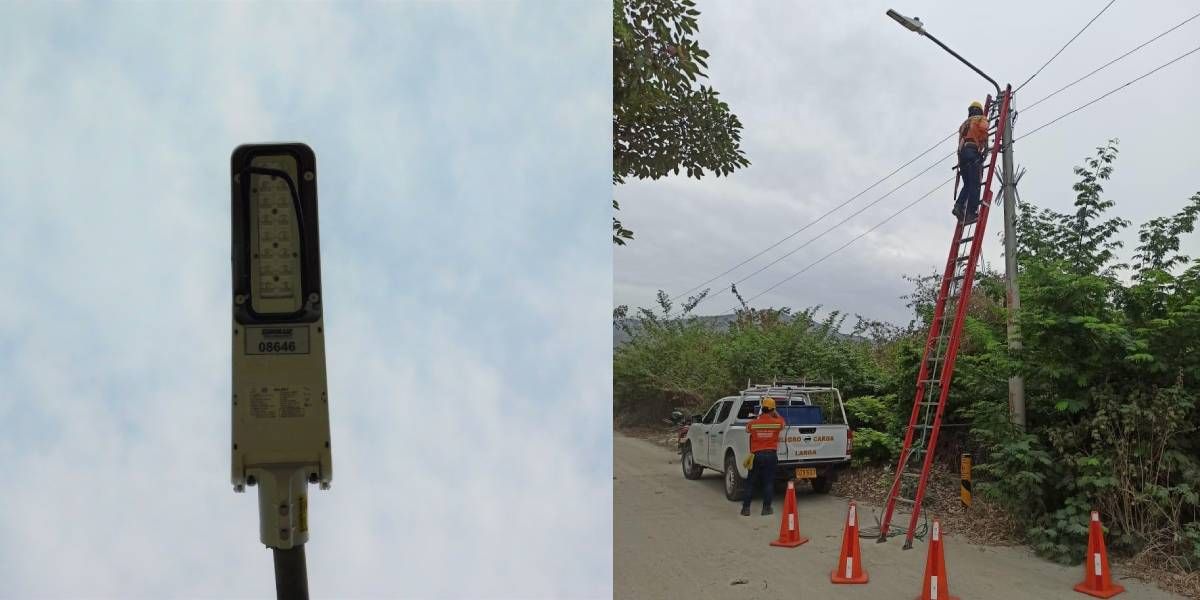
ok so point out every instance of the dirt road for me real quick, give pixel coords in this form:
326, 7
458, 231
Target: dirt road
674, 538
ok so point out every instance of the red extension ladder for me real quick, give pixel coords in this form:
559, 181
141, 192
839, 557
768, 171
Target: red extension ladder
941, 346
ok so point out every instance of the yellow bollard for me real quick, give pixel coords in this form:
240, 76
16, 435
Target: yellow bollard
965, 481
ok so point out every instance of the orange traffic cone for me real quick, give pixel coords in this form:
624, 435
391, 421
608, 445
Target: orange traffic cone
849, 568
935, 586
1097, 579
789, 524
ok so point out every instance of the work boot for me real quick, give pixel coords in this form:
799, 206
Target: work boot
745, 511
956, 211
767, 511
971, 218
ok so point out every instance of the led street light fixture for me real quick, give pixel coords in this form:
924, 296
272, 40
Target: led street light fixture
280, 403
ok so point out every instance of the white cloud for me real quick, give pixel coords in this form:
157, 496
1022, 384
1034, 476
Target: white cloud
835, 97
463, 168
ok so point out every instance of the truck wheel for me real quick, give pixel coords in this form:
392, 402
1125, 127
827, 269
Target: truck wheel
691, 470
735, 486
822, 485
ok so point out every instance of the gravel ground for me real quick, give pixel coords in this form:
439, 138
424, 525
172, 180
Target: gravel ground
674, 538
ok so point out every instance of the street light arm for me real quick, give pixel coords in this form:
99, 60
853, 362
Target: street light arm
964, 61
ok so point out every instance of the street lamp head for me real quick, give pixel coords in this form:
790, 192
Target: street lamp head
913, 24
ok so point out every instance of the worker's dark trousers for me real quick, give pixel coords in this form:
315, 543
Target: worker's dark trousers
762, 475
970, 166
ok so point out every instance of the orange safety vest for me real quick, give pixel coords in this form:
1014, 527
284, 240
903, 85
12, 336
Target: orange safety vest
764, 431
975, 131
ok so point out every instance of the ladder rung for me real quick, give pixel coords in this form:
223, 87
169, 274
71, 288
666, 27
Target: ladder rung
945, 342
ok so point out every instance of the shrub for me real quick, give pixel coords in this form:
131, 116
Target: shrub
871, 447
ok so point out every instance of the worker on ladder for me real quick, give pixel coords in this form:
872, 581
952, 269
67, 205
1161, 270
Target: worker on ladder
972, 143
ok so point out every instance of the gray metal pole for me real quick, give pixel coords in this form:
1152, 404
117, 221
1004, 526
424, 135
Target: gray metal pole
1016, 383
291, 575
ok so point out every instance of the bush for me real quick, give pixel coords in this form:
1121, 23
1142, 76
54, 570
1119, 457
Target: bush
872, 412
1110, 362
680, 360
872, 447
1112, 380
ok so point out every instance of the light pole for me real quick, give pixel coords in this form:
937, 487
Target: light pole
1016, 383
280, 401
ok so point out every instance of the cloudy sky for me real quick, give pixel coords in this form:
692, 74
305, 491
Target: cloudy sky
463, 163
834, 96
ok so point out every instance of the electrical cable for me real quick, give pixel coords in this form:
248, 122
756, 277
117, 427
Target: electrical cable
1111, 62
893, 530
818, 219
1023, 136
852, 240
1109, 93
835, 226
909, 162
1060, 50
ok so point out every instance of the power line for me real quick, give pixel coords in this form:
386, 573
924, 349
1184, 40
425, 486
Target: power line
835, 226
912, 160
852, 240
1060, 50
819, 219
1111, 62
1111, 92
1031, 132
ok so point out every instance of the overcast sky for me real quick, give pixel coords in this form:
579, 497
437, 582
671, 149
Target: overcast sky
834, 96
464, 173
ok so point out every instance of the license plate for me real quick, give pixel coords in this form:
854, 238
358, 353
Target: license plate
806, 473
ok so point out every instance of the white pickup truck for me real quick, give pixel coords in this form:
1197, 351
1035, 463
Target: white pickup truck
815, 444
